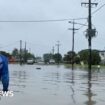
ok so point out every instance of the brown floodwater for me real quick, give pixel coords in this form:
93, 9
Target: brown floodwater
54, 85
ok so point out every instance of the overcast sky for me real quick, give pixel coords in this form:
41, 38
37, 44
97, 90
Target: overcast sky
42, 36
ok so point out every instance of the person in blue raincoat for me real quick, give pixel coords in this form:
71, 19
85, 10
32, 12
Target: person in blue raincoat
4, 73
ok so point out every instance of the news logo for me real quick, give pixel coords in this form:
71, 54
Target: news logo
6, 93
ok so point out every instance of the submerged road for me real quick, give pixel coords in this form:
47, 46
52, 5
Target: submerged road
54, 85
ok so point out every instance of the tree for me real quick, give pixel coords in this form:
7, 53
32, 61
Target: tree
47, 57
57, 57
15, 53
84, 56
5, 54
77, 59
25, 55
70, 57
30, 56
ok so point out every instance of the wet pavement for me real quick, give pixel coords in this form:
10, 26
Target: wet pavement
54, 85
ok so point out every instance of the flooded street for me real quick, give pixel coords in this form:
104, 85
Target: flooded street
54, 85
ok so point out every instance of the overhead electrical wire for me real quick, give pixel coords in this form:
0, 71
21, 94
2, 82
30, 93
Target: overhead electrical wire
9, 45
53, 20
35, 21
98, 9
93, 14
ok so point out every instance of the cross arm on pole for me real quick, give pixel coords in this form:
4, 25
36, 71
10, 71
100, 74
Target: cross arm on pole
78, 23
84, 3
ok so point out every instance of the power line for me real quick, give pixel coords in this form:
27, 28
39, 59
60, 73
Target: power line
39, 21
93, 14
98, 9
53, 20
10, 44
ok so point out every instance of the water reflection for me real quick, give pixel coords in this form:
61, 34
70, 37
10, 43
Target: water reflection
55, 85
72, 87
89, 93
18, 80
69, 77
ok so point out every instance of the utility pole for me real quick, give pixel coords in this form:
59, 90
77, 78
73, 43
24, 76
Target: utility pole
20, 52
90, 31
58, 45
104, 53
53, 50
73, 30
25, 57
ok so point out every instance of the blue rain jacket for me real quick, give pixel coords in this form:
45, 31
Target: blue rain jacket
4, 73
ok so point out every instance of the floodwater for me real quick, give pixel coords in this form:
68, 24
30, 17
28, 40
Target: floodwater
54, 85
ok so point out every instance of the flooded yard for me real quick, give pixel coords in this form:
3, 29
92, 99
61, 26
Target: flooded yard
54, 85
